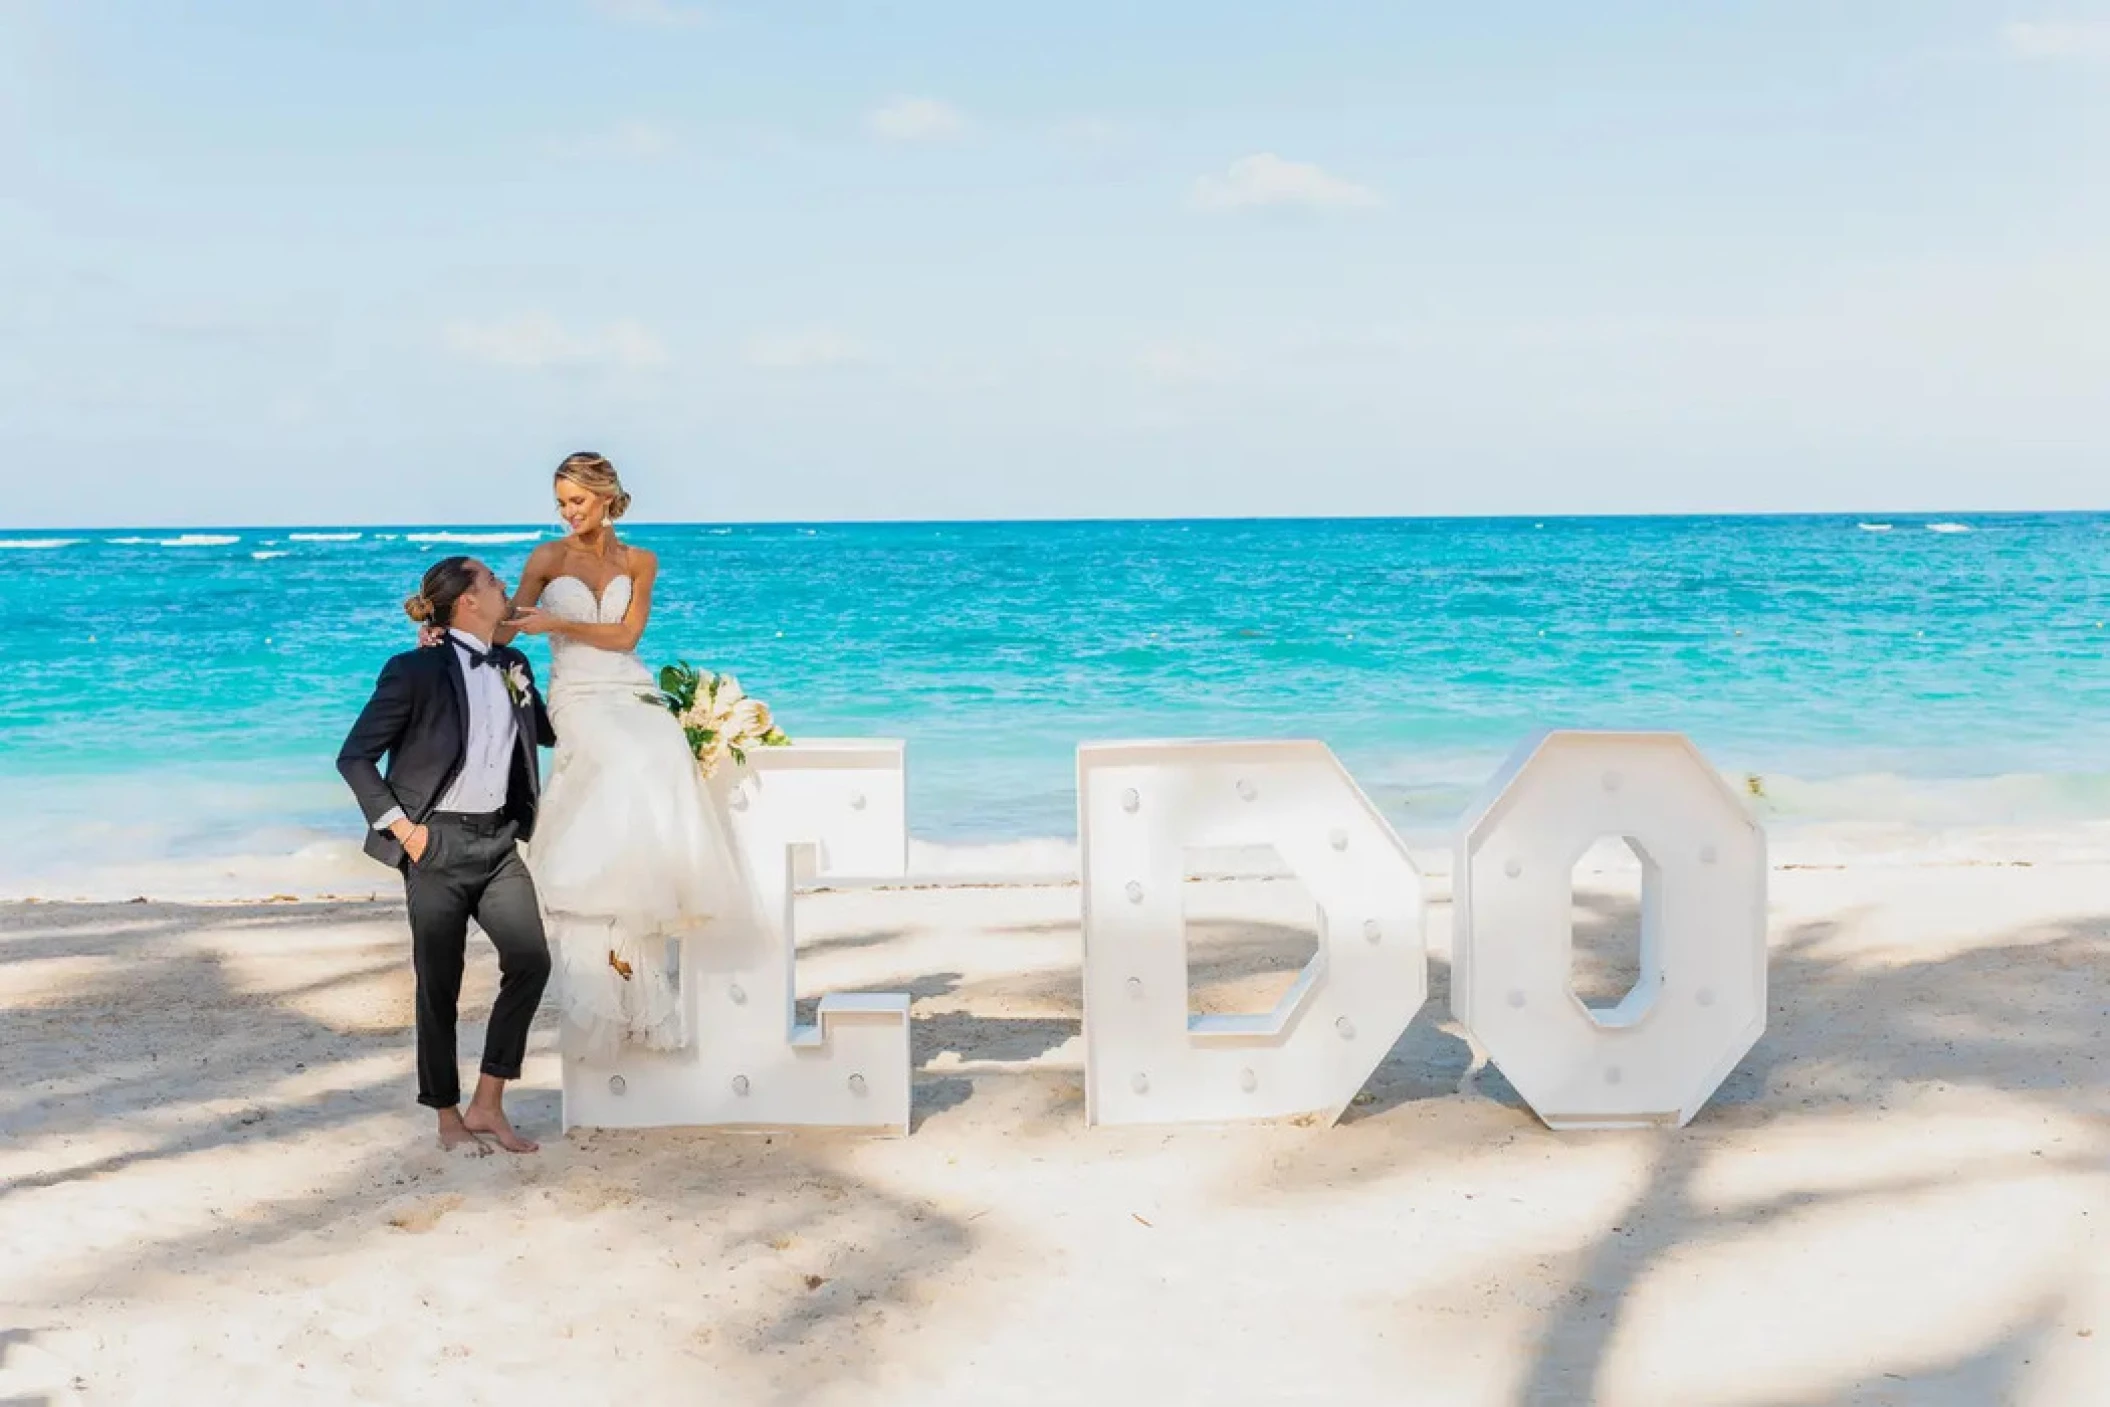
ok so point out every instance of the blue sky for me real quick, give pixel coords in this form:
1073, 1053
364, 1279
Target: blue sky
374, 260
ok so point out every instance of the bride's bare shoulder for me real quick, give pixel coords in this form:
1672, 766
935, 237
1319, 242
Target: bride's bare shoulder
641, 561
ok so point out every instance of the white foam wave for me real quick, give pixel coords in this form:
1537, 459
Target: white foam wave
1835, 821
332, 867
473, 537
2009, 799
37, 544
1054, 860
326, 867
196, 540
1948, 527
129, 541
267, 556
1875, 527
324, 537
1045, 860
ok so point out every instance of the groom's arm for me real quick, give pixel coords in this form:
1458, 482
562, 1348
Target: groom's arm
378, 729
541, 565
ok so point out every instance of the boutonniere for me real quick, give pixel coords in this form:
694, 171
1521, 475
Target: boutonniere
517, 683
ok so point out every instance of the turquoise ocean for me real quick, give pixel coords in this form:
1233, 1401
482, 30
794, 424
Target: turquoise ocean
176, 698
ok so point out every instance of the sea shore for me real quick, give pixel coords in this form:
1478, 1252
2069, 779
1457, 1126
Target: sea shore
214, 1185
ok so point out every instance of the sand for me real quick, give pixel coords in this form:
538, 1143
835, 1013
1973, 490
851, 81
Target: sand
215, 1187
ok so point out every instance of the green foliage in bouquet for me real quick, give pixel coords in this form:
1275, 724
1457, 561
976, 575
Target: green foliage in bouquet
716, 715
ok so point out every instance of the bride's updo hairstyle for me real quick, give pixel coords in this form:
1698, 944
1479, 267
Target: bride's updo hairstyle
597, 476
443, 586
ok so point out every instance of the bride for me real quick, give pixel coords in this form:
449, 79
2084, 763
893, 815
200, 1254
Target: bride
631, 850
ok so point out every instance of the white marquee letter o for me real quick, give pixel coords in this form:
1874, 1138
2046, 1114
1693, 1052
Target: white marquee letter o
1700, 1003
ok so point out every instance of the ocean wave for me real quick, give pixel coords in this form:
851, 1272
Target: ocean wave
1046, 859
314, 866
324, 537
1875, 527
37, 544
186, 540
267, 556
1054, 860
473, 537
323, 865
309, 864
1884, 818
2006, 799
1949, 527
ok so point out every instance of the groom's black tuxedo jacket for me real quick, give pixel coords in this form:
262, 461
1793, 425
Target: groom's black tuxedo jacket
419, 719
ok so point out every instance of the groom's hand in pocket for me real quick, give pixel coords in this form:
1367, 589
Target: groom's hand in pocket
413, 839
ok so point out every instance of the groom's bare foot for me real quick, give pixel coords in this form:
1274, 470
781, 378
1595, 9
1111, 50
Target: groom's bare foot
492, 1124
457, 1137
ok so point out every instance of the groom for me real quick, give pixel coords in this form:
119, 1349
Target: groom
459, 727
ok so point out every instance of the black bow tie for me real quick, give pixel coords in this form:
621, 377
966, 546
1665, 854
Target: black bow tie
477, 658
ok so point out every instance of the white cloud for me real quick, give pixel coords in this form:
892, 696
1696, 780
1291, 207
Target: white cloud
222, 323
915, 120
1183, 362
537, 341
804, 351
1266, 179
1090, 131
2083, 40
660, 14
637, 139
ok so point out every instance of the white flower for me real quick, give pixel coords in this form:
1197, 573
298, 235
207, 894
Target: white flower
733, 722
749, 718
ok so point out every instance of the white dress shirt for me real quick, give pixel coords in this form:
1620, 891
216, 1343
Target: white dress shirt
487, 758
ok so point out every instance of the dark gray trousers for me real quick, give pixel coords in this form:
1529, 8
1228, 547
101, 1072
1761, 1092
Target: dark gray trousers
472, 868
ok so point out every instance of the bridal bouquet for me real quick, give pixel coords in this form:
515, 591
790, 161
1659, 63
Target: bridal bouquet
716, 715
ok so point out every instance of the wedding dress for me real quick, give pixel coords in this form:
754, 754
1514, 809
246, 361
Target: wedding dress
631, 849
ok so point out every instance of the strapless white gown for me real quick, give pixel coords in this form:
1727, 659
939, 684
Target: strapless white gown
631, 848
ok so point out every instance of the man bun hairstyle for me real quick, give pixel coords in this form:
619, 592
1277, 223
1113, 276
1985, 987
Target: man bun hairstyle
444, 585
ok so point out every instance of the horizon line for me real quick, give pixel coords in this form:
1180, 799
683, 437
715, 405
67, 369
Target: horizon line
1866, 514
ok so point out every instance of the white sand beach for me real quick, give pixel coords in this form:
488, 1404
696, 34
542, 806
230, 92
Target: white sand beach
215, 1187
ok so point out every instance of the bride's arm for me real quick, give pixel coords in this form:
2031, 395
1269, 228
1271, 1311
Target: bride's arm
617, 635
541, 566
